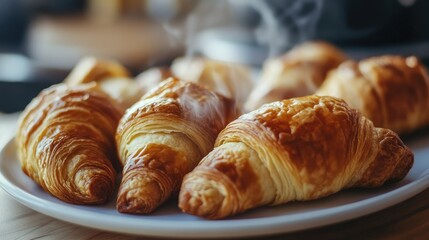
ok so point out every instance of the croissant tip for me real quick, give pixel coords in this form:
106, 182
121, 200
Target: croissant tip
201, 199
136, 206
141, 199
98, 189
93, 191
404, 165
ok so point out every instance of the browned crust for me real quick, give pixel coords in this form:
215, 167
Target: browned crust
66, 144
154, 171
392, 91
301, 149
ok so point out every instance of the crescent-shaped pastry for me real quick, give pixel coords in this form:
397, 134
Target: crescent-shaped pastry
112, 78
292, 150
164, 136
392, 91
231, 80
65, 143
298, 73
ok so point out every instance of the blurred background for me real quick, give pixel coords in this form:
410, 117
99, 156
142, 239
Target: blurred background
41, 40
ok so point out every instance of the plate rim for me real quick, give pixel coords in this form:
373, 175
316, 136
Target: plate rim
210, 228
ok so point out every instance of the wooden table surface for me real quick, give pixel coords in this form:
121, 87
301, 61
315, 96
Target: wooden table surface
407, 220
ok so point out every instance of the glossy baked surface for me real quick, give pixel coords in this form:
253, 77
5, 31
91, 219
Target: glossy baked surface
169, 221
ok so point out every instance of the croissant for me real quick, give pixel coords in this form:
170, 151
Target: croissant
65, 143
152, 77
231, 80
113, 78
392, 91
298, 73
164, 136
292, 150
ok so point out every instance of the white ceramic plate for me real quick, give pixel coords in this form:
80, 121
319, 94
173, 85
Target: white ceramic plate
168, 221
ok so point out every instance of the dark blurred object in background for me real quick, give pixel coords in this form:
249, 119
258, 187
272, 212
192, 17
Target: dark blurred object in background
367, 22
20, 78
360, 27
15, 16
13, 22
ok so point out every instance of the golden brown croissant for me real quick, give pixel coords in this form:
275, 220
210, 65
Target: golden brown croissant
65, 142
297, 73
292, 150
113, 78
231, 80
392, 91
164, 136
